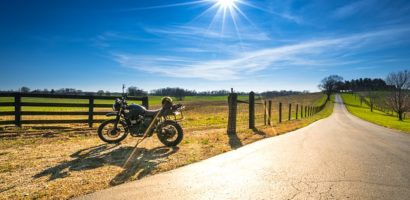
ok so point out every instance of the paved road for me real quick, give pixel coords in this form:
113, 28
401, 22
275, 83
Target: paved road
340, 157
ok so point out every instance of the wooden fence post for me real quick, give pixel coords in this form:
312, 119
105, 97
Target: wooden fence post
232, 104
280, 112
290, 111
264, 113
270, 113
145, 102
251, 110
17, 110
301, 111
90, 111
297, 109
306, 111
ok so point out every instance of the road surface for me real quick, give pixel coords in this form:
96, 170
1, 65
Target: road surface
340, 157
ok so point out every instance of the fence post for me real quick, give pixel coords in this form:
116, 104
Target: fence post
270, 113
251, 110
290, 111
306, 111
90, 111
145, 102
17, 110
232, 104
264, 113
297, 109
280, 112
301, 111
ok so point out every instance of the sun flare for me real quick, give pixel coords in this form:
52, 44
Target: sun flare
226, 3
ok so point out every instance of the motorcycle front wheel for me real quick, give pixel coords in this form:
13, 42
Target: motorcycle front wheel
170, 133
107, 133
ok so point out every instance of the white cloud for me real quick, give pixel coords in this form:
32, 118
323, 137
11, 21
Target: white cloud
325, 52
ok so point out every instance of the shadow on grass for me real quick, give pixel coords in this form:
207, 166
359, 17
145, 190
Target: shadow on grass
234, 141
94, 157
352, 105
259, 132
50, 127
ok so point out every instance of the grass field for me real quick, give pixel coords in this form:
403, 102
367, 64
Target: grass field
67, 161
201, 112
378, 117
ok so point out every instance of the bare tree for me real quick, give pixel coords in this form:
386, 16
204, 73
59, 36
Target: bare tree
100, 92
24, 89
329, 84
134, 91
399, 99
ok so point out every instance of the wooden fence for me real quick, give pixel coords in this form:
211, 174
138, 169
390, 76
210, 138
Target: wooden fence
305, 111
18, 104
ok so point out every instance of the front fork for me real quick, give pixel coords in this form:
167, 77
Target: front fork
117, 119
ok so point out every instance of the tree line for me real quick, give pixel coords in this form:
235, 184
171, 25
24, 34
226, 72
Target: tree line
396, 87
177, 92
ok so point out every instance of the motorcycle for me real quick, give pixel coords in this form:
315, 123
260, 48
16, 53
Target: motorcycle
140, 122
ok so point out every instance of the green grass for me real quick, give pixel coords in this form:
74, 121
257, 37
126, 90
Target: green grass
377, 116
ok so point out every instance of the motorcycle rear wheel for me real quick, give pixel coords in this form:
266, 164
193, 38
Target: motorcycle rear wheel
107, 133
170, 133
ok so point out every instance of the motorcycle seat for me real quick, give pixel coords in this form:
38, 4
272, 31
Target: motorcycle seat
151, 113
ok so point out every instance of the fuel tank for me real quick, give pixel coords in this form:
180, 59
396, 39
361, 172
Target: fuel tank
135, 110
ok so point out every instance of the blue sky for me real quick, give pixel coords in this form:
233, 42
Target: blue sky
199, 44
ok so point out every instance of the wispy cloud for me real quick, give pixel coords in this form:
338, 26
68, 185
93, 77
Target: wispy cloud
195, 32
325, 52
351, 8
106, 38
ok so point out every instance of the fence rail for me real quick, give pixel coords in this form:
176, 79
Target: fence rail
18, 104
305, 111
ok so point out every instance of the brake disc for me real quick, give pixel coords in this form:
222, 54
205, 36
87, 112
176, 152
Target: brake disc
113, 135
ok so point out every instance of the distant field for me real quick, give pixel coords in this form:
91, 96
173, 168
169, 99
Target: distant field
377, 116
69, 161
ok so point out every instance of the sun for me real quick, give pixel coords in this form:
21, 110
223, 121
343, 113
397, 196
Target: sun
226, 3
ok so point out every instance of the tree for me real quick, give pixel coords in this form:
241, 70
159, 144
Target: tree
24, 89
329, 84
134, 91
100, 92
399, 99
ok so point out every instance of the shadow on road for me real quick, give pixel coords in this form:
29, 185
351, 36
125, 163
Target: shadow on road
109, 154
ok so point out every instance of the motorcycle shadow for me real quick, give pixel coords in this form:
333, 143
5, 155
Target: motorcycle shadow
140, 164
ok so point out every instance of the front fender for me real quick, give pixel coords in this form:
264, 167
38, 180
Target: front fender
111, 114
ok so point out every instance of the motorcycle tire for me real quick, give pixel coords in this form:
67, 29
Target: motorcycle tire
117, 140
163, 137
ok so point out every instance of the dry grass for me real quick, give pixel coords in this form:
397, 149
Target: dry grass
55, 163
